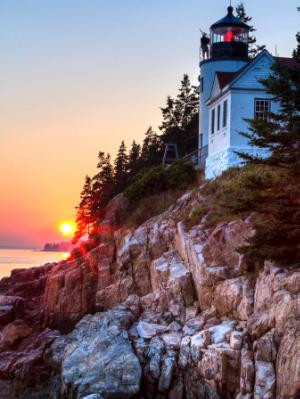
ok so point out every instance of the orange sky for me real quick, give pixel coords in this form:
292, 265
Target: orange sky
79, 76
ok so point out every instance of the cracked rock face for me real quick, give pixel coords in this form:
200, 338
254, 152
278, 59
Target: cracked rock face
100, 359
155, 313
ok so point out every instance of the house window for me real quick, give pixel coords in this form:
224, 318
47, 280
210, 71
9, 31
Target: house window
201, 85
219, 118
225, 113
262, 108
213, 117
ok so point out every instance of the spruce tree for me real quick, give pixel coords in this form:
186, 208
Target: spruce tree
187, 102
151, 153
134, 161
254, 48
279, 134
120, 169
181, 118
277, 221
84, 215
102, 185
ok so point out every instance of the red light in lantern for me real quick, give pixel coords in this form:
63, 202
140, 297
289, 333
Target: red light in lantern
229, 36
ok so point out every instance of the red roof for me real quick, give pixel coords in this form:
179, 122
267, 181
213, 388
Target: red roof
225, 78
288, 62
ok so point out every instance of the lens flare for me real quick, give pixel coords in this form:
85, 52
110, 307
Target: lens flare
67, 229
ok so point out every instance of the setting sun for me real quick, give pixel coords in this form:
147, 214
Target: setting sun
67, 229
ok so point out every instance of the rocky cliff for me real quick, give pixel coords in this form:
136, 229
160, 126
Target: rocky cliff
157, 312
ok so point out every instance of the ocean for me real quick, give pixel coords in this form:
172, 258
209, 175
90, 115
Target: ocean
25, 258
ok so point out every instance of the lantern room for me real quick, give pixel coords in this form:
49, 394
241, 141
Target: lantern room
229, 38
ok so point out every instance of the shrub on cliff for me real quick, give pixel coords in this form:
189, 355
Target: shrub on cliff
267, 187
158, 179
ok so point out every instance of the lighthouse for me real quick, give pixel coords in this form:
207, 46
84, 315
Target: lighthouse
228, 53
231, 92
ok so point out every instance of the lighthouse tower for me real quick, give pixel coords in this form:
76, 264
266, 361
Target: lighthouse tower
228, 54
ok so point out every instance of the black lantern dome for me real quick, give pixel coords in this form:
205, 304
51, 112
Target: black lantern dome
229, 37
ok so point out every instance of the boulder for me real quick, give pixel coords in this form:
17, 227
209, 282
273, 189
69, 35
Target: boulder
236, 340
70, 293
247, 375
287, 363
265, 348
170, 271
234, 297
149, 330
12, 333
265, 380
167, 371
172, 340
11, 308
100, 358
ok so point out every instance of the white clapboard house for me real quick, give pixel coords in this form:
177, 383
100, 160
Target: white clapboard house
230, 92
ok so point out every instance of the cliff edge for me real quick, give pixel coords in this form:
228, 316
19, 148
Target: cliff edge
157, 312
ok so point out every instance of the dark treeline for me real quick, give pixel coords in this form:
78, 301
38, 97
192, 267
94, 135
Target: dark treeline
57, 247
180, 120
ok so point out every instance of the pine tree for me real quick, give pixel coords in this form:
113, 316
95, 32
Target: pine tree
279, 134
84, 216
170, 115
181, 118
134, 161
187, 102
277, 222
120, 169
102, 185
254, 48
151, 153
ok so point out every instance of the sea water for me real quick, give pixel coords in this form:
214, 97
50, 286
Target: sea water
11, 259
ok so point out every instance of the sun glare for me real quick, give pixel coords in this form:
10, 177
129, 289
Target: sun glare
66, 229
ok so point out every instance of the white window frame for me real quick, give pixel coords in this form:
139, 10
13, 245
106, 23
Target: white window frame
262, 108
225, 114
213, 121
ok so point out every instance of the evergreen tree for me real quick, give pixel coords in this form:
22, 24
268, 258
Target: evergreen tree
120, 169
187, 102
181, 118
170, 116
102, 185
254, 48
279, 134
84, 215
134, 160
151, 153
277, 222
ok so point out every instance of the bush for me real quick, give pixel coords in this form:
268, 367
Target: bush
151, 206
271, 196
158, 179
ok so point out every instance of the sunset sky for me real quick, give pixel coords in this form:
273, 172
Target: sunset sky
77, 76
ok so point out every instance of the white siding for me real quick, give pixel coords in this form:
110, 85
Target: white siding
208, 71
242, 107
221, 138
259, 69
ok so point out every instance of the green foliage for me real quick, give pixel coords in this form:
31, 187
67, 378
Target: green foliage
277, 224
84, 216
196, 216
152, 149
151, 206
179, 125
181, 118
120, 169
268, 188
158, 179
279, 134
254, 48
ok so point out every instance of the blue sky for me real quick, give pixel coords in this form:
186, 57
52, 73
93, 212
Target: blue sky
77, 76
